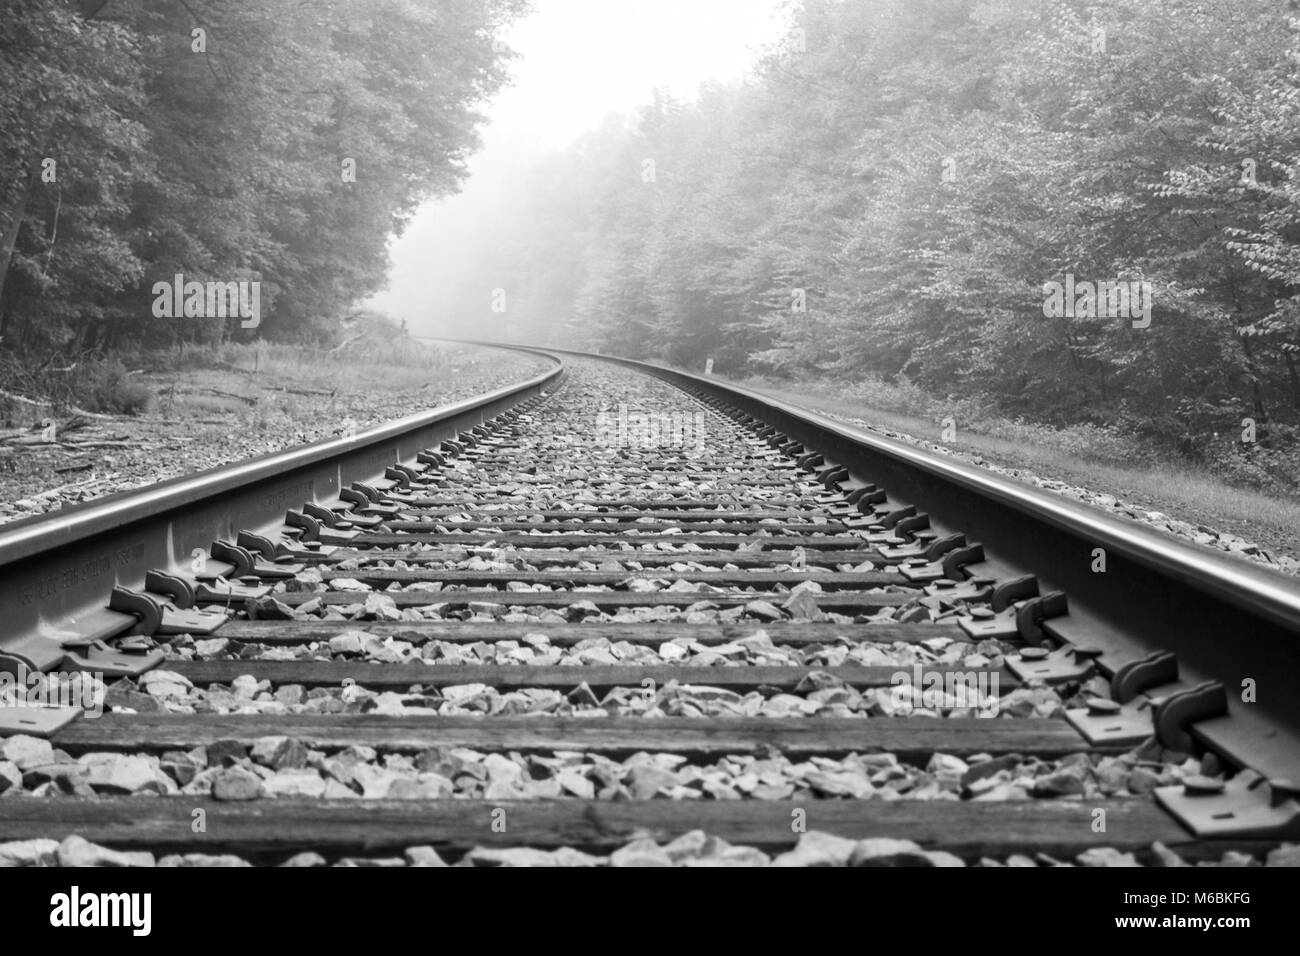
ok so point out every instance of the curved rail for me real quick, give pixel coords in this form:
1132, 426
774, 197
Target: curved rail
57, 569
1227, 621
1175, 627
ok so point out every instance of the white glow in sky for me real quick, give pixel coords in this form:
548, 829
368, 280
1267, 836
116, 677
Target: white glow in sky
578, 60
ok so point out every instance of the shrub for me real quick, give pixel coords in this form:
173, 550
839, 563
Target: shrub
1273, 469
105, 386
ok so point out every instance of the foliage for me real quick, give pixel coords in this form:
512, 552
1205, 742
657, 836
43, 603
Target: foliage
106, 386
912, 172
210, 139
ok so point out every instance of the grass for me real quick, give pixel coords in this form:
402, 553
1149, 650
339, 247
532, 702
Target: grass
404, 362
249, 402
228, 379
218, 380
1099, 460
94, 383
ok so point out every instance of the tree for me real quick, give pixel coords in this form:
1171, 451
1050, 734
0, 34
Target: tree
229, 142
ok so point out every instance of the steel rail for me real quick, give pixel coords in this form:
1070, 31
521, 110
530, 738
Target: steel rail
1225, 619
59, 567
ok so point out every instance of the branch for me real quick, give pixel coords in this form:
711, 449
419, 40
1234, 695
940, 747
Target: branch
345, 343
24, 399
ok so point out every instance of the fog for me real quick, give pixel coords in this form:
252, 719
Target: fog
578, 63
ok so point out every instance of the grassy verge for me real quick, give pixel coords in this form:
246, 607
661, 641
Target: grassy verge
206, 407
260, 383
1099, 460
247, 380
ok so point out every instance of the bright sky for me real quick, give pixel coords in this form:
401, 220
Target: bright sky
578, 60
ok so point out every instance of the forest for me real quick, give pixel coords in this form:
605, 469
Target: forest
277, 142
901, 189
1066, 212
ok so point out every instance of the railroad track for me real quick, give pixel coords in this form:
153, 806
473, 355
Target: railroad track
623, 614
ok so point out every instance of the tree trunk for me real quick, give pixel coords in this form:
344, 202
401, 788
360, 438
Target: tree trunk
1295, 379
1257, 395
19, 214
89, 9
